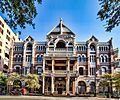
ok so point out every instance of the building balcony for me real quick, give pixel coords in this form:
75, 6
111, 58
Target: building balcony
104, 63
59, 54
60, 71
28, 50
38, 62
48, 71
16, 62
82, 63
60, 50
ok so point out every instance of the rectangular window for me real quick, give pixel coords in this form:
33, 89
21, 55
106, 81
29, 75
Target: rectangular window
7, 37
13, 38
39, 70
8, 31
1, 31
0, 50
7, 55
0, 57
1, 24
0, 43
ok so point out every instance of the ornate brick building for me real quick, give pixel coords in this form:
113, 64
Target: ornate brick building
64, 65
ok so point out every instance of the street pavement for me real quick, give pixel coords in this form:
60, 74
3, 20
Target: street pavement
51, 98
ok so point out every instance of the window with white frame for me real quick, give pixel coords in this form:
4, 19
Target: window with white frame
83, 58
39, 58
39, 70
79, 58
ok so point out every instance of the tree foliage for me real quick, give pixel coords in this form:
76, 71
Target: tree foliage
32, 81
117, 80
14, 79
2, 78
105, 80
19, 12
110, 12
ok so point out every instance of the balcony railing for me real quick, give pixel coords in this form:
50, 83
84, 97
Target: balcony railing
60, 71
60, 50
48, 71
64, 54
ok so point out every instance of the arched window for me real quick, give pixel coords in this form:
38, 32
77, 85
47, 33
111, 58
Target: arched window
81, 87
16, 58
77, 48
100, 48
29, 46
83, 58
92, 87
81, 71
60, 44
92, 47
102, 59
19, 58
80, 48
103, 70
39, 70
39, 58
106, 59
17, 70
79, 58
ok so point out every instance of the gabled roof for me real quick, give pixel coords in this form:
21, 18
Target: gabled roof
60, 29
92, 38
29, 38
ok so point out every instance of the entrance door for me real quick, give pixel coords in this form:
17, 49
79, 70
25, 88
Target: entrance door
59, 90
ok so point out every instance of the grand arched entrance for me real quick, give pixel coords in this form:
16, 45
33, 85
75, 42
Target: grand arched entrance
81, 87
60, 85
92, 87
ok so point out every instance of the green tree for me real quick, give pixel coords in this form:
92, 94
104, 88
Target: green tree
19, 12
110, 12
14, 79
117, 81
106, 82
2, 83
2, 79
32, 81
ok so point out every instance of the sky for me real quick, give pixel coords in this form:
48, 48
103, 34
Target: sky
78, 15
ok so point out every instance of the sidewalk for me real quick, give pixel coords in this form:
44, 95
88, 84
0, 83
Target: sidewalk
51, 98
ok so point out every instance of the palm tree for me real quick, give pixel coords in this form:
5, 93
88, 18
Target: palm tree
32, 81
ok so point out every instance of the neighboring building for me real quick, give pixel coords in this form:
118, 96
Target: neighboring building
7, 39
64, 65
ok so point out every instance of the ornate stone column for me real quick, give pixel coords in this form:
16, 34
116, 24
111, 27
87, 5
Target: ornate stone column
52, 84
53, 65
43, 87
68, 77
52, 77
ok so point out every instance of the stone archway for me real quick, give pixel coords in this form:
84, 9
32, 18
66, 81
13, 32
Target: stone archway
92, 87
81, 87
61, 44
